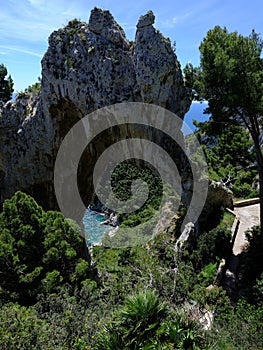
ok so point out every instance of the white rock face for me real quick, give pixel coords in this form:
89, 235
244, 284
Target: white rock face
86, 67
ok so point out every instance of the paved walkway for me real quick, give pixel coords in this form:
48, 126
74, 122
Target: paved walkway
248, 216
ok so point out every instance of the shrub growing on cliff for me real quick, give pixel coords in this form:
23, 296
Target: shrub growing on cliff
34, 88
6, 85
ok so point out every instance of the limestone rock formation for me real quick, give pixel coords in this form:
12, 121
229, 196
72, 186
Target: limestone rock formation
158, 71
86, 67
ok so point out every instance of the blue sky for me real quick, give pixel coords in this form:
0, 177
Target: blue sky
26, 24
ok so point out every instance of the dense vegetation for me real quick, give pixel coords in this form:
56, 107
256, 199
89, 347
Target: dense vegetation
142, 219
121, 182
39, 251
145, 297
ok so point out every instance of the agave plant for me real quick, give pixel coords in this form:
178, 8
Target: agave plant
136, 323
141, 315
145, 323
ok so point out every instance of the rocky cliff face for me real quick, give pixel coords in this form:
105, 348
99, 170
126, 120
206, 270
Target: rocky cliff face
86, 67
26, 147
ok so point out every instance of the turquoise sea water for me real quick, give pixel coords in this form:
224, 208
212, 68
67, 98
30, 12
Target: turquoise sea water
93, 228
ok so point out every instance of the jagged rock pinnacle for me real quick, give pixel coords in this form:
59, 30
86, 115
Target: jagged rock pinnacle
102, 22
146, 20
99, 19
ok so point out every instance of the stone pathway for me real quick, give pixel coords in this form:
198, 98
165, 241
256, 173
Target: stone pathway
248, 217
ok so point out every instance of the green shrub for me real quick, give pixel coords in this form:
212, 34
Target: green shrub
212, 246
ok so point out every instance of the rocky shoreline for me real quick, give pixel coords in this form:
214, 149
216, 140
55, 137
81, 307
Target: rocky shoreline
111, 220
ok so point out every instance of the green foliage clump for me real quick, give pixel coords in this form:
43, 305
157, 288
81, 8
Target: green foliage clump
239, 327
73, 27
39, 250
122, 178
31, 89
34, 88
20, 327
212, 246
251, 264
69, 62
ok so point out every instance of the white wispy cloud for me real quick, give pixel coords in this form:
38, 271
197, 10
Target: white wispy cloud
178, 19
20, 50
36, 2
31, 20
193, 12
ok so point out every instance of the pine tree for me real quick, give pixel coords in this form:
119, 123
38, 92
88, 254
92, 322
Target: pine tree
230, 78
6, 85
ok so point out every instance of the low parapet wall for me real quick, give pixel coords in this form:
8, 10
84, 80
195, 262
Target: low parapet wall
224, 262
246, 202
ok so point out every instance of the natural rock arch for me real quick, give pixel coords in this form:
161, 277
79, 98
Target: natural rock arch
86, 67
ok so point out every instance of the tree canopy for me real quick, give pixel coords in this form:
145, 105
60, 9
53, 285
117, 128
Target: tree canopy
6, 85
